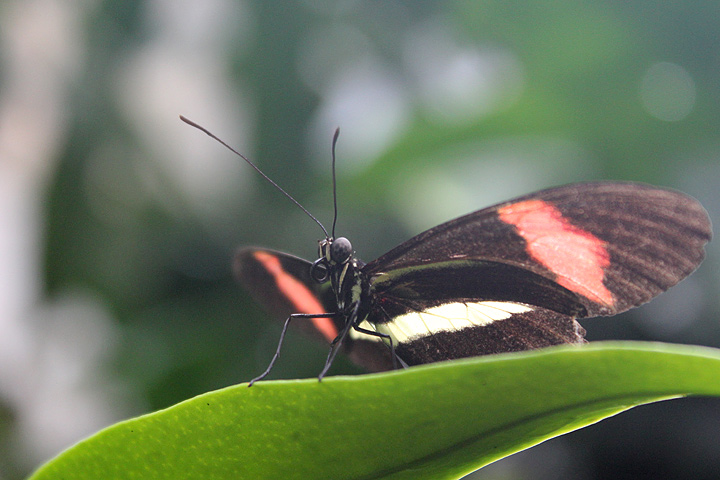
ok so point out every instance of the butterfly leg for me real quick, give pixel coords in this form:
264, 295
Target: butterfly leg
337, 343
282, 337
334, 348
387, 337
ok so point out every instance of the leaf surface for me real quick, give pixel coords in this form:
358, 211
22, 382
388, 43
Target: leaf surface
431, 422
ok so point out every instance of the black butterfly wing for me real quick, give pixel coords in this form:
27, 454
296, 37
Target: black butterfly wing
282, 284
564, 253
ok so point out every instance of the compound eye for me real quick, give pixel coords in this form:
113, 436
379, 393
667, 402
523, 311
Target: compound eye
320, 271
340, 250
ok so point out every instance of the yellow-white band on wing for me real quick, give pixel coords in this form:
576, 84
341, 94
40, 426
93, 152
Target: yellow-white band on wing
448, 317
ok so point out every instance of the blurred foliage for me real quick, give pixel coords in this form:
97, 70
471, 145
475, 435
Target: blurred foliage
559, 98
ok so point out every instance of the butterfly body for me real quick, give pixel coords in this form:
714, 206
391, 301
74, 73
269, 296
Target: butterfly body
506, 278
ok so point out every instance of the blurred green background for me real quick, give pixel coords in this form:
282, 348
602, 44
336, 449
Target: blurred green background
118, 222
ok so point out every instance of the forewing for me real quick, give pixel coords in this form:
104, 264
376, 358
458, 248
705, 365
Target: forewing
282, 284
594, 248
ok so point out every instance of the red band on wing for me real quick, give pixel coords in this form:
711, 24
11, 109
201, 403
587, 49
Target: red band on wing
299, 295
576, 256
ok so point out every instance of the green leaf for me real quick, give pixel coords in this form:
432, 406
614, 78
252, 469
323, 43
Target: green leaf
436, 421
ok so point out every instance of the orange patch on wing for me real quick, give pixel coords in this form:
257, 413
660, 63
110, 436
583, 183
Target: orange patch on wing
576, 256
299, 295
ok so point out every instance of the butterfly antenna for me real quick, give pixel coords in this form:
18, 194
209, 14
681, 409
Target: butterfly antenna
257, 169
334, 142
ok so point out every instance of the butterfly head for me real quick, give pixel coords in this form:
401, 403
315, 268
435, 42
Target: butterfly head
333, 256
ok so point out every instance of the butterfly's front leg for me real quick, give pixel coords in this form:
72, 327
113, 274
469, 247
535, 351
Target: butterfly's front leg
282, 337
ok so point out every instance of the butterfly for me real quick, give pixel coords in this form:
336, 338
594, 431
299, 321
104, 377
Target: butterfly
507, 278
511, 277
